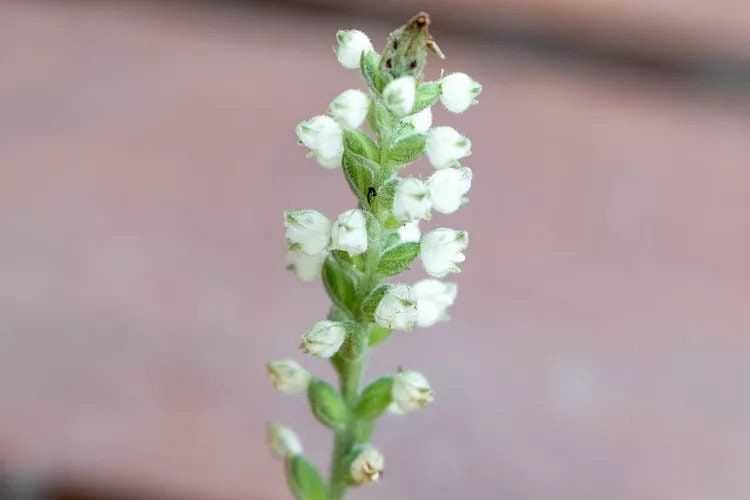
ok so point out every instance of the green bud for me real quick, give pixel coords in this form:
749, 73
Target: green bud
375, 399
327, 404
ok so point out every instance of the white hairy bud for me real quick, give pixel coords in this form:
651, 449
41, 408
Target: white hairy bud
399, 95
305, 267
448, 187
441, 249
324, 339
323, 136
349, 232
411, 391
350, 108
421, 121
411, 200
367, 466
307, 230
434, 297
282, 441
288, 376
445, 146
459, 92
397, 309
351, 44
410, 232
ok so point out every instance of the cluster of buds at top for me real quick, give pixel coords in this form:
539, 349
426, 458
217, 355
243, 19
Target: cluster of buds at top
358, 252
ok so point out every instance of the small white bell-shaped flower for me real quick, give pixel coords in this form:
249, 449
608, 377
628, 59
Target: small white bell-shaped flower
282, 441
349, 232
307, 230
350, 108
411, 200
397, 309
367, 466
288, 376
351, 44
459, 92
411, 391
306, 267
434, 297
410, 232
399, 95
324, 339
448, 187
441, 249
323, 136
421, 121
445, 146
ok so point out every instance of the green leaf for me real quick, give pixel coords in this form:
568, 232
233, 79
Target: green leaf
373, 230
368, 65
371, 302
327, 404
304, 480
363, 431
378, 334
406, 149
360, 143
427, 94
360, 173
380, 119
355, 343
395, 260
338, 283
374, 399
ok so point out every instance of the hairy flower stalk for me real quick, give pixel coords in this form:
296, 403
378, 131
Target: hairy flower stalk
360, 253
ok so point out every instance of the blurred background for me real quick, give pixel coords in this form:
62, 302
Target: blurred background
599, 347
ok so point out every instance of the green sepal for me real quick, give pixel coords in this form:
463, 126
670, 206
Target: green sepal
373, 230
380, 119
375, 399
354, 344
406, 149
377, 334
361, 144
360, 173
368, 65
371, 302
327, 404
427, 94
304, 480
395, 260
339, 284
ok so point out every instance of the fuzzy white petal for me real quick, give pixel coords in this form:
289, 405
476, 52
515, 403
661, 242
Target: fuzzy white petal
421, 121
399, 95
307, 230
448, 187
350, 108
459, 92
282, 441
397, 309
445, 146
288, 376
411, 391
411, 200
433, 299
306, 267
367, 466
349, 232
324, 339
441, 249
351, 44
410, 231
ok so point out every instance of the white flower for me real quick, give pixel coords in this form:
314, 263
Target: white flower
349, 232
282, 441
324, 138
399, 95
324, 339
351, 45
288, 376
350, 108
411, 200
447, 188
433, 298
367, 466
421, 121
444, 147
306, 267
411, 391
459, 92
397, 309
410, 231
307, 230
441, 249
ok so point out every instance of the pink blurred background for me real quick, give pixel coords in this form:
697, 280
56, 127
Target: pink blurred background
599, 346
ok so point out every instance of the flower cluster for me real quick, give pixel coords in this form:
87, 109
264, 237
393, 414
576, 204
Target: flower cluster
356, 253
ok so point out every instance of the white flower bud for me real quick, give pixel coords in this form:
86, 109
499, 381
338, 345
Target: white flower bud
447, 188
282, 441
411, 391
459, 92
444, 147
307, 230
410, 232
324, 339
350, 108
288, 376
397, 309
324, 138
433, 299
411, 200
421, 121
306, 267
441, 249
367, 466
399, 95
349, 232
351, 45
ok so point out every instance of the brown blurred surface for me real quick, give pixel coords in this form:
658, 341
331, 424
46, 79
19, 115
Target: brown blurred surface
599, 345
